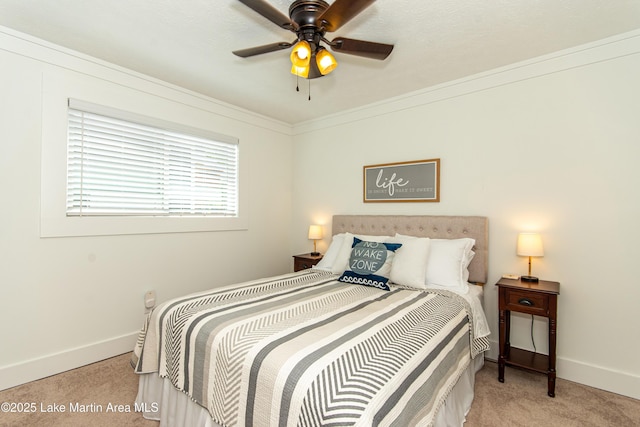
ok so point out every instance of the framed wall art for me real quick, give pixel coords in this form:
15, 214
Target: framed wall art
416, 181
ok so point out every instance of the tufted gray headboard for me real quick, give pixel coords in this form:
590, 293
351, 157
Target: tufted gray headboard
437, 227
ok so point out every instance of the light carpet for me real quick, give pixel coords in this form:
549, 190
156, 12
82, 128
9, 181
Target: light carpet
107, 390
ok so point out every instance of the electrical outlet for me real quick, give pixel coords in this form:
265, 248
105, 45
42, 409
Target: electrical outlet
150, 299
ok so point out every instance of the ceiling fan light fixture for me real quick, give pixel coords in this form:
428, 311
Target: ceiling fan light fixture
325, 60
301, 54
310, 20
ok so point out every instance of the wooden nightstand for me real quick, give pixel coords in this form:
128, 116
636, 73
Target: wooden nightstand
303, 261
539, 299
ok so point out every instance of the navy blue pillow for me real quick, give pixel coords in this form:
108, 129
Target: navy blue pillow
370, 263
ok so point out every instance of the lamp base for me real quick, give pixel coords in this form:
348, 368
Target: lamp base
315, 254
531, 279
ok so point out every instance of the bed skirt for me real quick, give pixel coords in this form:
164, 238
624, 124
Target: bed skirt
173, 408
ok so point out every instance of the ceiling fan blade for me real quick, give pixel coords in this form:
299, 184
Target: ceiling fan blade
259, 50
361, 48
271, 13
342, 11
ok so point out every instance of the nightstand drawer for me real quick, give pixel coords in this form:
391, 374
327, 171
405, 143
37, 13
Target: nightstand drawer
303, 264
527, 302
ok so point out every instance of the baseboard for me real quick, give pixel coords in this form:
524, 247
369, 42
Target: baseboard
607, 379
42, 367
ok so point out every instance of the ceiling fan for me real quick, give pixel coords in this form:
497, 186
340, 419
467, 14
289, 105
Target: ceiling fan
310, 20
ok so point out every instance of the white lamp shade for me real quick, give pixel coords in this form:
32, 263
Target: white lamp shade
529, 244
315, 232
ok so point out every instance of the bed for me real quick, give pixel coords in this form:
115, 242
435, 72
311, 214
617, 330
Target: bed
381, 337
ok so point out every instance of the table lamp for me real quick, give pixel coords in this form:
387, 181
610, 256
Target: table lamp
529, 244
315, 234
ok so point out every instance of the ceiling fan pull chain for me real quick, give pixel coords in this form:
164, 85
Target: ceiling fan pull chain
309, 89
297, 83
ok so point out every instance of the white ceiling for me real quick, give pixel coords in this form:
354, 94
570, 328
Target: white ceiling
189, 43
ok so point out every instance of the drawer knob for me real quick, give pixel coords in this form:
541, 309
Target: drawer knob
525, 301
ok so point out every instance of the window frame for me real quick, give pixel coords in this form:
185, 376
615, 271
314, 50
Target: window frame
53, 179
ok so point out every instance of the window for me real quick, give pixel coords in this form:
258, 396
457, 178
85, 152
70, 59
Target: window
121, 164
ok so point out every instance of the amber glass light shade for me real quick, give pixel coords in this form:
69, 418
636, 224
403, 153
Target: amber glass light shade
326, 62
300, 71
301, 54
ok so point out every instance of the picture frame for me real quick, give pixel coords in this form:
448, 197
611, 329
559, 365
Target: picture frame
413, 181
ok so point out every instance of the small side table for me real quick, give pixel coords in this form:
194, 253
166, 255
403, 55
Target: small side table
303, 261
539, 299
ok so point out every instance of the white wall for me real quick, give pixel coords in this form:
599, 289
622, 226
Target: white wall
549, 145
65, 302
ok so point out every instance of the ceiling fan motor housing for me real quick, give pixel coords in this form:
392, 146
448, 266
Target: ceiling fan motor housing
305, 14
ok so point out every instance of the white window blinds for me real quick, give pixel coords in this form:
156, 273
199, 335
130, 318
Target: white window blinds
120, 167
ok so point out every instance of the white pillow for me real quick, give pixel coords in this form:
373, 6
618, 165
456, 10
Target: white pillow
409, 266
329, 258
467, 261
447, 263
342, 259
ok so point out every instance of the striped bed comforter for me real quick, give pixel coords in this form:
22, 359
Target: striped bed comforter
304, 349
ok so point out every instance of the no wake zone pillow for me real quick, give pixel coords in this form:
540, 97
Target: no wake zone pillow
370, 263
